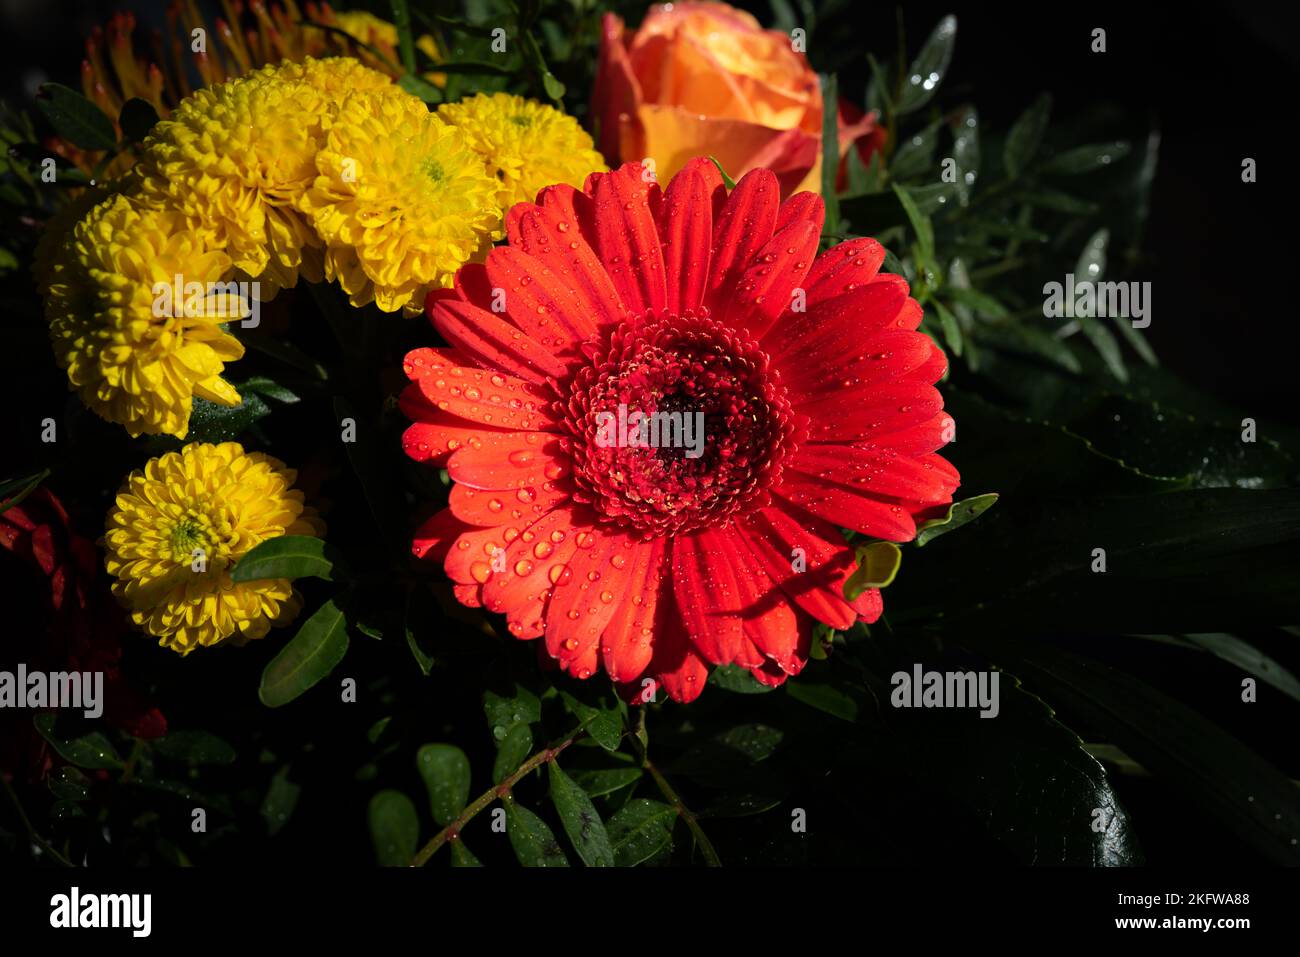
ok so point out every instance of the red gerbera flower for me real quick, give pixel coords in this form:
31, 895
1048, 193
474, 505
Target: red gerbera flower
815, 391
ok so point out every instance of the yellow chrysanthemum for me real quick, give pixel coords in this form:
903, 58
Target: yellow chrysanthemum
526, 144
47, 258
401, 200
235, 158
335, 77
134, 351
181, 523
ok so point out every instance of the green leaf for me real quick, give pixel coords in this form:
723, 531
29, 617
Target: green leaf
1241, 654
69, 784
816, 687
603, 781
951, 328
1060, 202
504, 711
920, 224
982, 304
195, 747
1202, 763
737, 679
270, 388
1025, 136
420, 609
605, 725
13, 491
462, 856
533, 841
966, 151
581, 822
1022, 777
830, 153
640, 830
137, 118
87, 751
915, 154
310, 655
1028, 339
405, 39
1106, 344
280, 801
958, 514
928, 69
877, 565
210, 422
417, 85
446, 773
394, 828
1085, 159
727, 181
554, 88
75, 118
287, 556
512, 752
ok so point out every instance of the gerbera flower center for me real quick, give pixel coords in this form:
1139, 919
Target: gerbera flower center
676, 424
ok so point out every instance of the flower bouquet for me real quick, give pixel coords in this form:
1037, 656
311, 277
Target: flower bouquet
581, 433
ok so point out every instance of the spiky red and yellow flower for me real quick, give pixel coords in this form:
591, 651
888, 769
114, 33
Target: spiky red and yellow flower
817, 397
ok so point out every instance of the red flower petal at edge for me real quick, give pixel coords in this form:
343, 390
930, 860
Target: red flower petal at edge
816, 392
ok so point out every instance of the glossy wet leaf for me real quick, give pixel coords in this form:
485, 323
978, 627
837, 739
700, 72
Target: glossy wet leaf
532, 839
310, 655
287, 556
581, 821
640, 830
394, 828
445, 771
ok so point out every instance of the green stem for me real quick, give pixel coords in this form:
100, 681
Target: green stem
452, 831
31, 831
671, 796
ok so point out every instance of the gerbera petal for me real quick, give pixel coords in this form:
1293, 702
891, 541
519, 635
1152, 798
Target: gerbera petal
550, 232
493, 341
766, 289
890, 356
879, 472
805, 556
769, 620
534, 561
435, 434
469, 560
583, 601
802, 206
831, 332
709, 599
485, 396
628, 641
687, 231
855, 414
626, 238
744, 226
677, 667
496, 507
538, 300
924, 437
849, 509
509, 460
844, 268
433, 538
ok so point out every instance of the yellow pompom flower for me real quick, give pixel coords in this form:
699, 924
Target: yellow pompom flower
136, 353
335, 77
47, 258
400, 200
525, 144
235, 158
181, 523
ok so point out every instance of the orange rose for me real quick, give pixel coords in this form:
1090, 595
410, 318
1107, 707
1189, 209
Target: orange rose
704, 79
